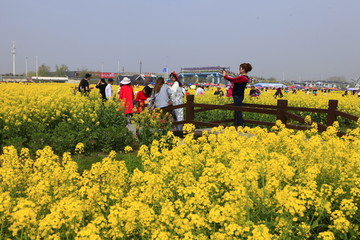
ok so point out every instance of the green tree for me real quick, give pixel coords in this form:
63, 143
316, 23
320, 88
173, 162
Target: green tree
82, 72
338, 79
31, 74
61, 71
44, 71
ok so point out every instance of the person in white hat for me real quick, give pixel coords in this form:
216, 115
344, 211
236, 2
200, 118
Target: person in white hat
126, 96
125, 81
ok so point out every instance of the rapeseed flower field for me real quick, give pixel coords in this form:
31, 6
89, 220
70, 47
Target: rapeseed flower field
230, 183
35, 115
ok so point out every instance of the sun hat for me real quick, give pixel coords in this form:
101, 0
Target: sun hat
125, 81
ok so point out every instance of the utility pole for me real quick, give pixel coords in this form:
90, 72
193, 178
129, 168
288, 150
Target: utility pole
118, 67
26, 67
37, 68
13, 53
140, 66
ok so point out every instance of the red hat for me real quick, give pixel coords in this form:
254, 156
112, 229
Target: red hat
175, 76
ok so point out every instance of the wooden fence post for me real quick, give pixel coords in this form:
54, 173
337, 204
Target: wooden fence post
331, 114
282, 105
189, 108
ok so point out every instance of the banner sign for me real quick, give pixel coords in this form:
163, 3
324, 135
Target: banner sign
108, 75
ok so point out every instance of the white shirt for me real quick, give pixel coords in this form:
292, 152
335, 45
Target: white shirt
199, 91
174, 88
108, 91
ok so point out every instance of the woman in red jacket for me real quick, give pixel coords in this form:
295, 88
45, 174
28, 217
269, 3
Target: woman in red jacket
126, 96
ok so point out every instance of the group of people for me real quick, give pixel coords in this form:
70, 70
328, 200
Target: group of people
160, 96
163, 95
346, 93
105, 88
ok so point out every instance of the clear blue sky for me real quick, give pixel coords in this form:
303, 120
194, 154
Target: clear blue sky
295, 39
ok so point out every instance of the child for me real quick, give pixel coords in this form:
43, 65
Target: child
141, 97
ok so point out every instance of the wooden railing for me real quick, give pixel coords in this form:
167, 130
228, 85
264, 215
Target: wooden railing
281, 111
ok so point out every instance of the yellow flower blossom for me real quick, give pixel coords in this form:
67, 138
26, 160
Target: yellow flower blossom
260, 232
128, 149
327, 235
79, 149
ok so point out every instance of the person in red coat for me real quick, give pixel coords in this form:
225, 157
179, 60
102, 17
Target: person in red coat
141, 97
126, 96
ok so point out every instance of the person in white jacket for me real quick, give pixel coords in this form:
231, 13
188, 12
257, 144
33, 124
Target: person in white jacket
108, 90
177, 94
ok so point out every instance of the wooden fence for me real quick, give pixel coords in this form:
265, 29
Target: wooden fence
281, 111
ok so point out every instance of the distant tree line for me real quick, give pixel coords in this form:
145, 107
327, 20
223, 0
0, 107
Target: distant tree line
60, 71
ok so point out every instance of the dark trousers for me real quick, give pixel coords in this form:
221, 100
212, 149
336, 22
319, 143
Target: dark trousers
239, 121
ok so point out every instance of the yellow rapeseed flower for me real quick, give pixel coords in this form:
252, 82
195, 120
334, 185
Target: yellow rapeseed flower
128, 149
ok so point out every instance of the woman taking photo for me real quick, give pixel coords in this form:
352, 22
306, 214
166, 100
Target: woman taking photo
101, 85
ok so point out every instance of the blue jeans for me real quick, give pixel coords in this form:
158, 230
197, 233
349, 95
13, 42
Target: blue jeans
238, 114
